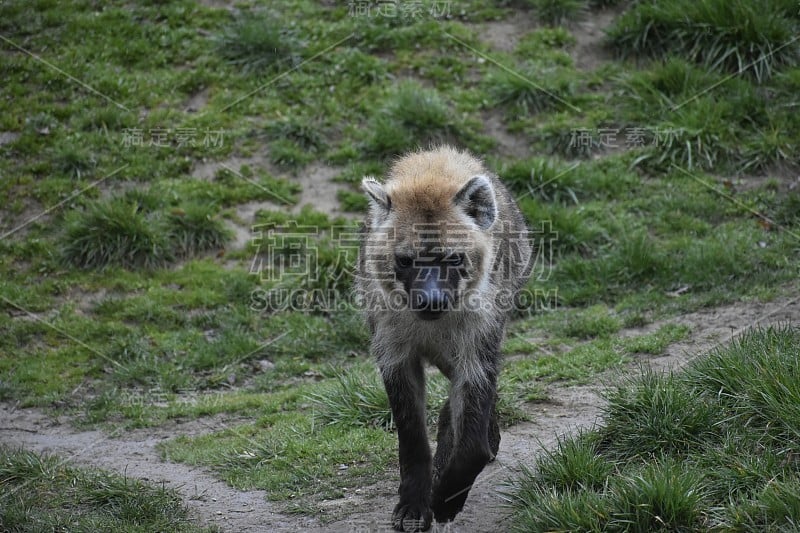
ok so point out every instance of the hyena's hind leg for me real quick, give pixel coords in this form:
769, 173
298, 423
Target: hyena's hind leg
470, 449
494, 431
444, 440
444, 437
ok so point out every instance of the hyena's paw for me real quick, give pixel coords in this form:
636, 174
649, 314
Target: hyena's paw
412, 516
447, 506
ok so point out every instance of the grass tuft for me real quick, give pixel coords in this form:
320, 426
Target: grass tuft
574, 464
114, 233
730, 36
412, 116
540, 178
542, 510
295, 142
657, 415
418, 108
777, 504
639, 259
43, 493
534, 89
655, 343
738, 127
664, 496
257, 41
72, 161
194, 229
305, 134
756, 377
126, 232
557, 12
355, 399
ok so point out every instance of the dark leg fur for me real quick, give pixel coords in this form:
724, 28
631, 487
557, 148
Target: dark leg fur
444, 441
468, 457
494, 431
405, 388
444, 438
471, 438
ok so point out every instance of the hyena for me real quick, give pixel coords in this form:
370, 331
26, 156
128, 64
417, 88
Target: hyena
444, 253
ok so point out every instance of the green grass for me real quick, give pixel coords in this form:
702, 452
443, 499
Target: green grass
43, 492
574, 464
231, 186
258, 40
194, 229
412, 116
125, 233
575, 366
346, 439
115, 233
556, 12
658, 416
358, 399
694, 118
710, 448
352, 201
143, 310
595, 321
736, 37
531, 89
355, 399
72, 161
533, 44
295, 142
656, 342
578, 363
755, 375
290, 456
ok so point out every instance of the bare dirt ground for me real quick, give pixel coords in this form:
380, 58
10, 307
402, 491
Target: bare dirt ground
318, 190
367, 508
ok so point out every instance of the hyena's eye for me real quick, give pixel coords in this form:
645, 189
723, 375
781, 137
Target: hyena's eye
403, 261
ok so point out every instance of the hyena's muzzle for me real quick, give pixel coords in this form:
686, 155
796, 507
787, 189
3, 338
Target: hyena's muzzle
431, 282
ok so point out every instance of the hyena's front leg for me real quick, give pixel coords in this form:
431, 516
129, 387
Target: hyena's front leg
405, 387
471, 407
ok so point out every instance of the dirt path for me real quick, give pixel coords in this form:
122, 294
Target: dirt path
367, 509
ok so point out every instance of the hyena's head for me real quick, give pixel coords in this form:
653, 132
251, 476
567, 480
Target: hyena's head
429, 244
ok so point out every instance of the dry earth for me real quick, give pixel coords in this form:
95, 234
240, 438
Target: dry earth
367, 508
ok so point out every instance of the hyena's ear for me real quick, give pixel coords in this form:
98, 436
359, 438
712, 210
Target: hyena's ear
379, 201
476, 198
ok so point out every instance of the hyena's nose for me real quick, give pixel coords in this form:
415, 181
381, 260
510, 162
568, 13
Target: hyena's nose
431, 298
